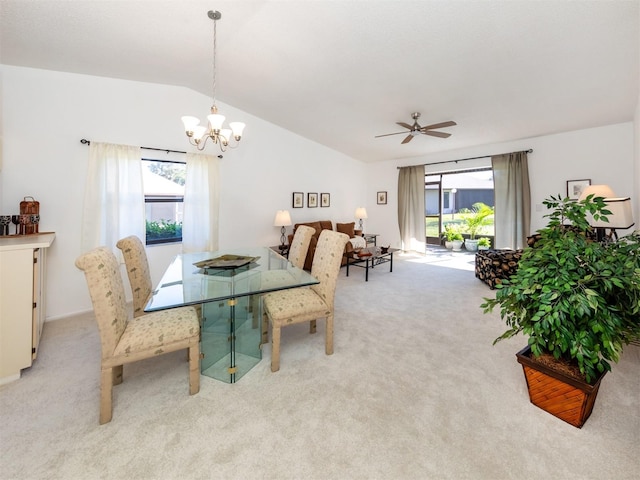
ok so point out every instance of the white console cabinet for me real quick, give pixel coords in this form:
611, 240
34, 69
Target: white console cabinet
22, 300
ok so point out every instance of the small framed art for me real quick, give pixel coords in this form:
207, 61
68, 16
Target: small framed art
325, 199
575, 187
312, 200
298, 200
382, 198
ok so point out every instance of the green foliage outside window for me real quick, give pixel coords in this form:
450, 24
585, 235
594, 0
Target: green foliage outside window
163, 230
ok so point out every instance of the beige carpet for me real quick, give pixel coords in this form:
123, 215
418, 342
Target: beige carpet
415, 390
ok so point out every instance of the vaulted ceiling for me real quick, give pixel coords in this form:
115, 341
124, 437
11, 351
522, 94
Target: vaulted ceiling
340, 72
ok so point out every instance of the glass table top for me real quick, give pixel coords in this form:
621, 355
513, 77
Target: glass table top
183, 283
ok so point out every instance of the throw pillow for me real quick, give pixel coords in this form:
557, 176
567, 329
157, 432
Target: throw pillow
347, 228
358, 242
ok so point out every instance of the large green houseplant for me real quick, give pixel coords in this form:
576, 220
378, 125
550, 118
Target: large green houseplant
577, 300
478, 218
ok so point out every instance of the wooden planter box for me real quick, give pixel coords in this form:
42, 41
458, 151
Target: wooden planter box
566, 398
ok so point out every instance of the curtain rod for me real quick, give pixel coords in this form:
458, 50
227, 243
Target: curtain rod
470, 158
84, 141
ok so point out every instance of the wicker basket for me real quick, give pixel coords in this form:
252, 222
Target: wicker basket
30, 207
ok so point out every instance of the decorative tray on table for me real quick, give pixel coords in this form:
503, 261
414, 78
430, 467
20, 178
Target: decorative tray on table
226, 261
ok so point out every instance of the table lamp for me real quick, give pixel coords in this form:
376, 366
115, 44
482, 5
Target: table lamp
620, 208
282, 220
361, 213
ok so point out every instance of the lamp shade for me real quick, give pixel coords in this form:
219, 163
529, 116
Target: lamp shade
361, 212
621, 216
283, 219
597, 191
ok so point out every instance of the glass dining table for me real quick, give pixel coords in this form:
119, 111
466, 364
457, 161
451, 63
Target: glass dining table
228, 285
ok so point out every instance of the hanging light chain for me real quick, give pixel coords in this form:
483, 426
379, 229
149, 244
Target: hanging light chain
215, 16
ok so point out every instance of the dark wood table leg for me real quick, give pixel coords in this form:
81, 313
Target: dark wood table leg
391, 262
366, 271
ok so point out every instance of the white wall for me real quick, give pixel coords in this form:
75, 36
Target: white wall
604, 155
45, 114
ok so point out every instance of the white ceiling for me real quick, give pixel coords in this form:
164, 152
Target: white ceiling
341, 72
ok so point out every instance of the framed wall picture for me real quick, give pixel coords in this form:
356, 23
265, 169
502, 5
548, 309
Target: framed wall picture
575, 187
312, 200
382, 198
298, 200
325, 199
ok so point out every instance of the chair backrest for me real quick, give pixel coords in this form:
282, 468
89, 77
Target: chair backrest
326, 263
106, 288
135, 258
300, 245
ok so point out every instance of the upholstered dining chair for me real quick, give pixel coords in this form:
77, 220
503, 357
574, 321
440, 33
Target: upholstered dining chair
307, 304
126, 341
135, 259
300, 245
137, 263
297, 255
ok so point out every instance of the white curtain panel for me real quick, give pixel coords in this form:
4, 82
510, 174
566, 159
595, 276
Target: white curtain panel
201, 204
114, 196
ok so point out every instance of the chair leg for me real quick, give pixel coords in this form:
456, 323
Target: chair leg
265, 329
328, 347
194, 369
312, 326
117, 374
106, 390
275, 348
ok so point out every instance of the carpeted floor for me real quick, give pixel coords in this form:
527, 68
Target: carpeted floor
415, 390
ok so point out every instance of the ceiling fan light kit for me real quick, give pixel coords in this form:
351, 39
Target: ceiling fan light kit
416, 129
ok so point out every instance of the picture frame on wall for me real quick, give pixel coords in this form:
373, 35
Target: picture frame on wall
325, 200
298, 200
382, 198
575, 187
312, 200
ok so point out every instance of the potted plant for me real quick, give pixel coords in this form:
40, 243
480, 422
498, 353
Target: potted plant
484, 243
450, 234
474, 222
457, 242
578, 302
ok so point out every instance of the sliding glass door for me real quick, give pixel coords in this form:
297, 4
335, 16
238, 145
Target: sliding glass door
433, 208
450, 197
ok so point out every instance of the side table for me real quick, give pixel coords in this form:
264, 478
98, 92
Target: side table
277, 249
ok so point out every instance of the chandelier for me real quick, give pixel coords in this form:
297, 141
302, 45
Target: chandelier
198, 134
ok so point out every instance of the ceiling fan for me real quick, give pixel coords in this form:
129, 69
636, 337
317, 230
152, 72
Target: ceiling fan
416, 129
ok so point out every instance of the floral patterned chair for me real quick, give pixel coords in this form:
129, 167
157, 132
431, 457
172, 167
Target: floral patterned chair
307, 304
300, 245
135, 258
126, 341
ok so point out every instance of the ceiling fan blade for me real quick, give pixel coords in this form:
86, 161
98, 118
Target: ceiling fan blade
408, 139
437, 134
405, 125
439, 125
387, 134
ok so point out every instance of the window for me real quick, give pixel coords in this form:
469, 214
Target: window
163, 183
